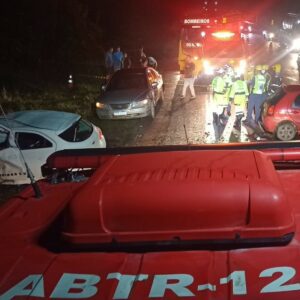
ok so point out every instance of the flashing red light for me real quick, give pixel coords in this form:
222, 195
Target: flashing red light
223, 34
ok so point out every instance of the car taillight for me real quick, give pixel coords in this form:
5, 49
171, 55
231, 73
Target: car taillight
100, 134
270, 111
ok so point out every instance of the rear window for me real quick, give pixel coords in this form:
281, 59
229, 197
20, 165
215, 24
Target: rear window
126, 81
78, 132
274, 99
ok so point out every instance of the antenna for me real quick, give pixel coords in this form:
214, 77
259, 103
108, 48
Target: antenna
34, 184
186, 136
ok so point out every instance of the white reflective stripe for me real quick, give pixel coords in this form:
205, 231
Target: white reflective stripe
160, 285
125, 283
36, 284
207, 286
67, 282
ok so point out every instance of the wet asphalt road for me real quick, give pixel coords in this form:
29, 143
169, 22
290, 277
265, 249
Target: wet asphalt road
188, 121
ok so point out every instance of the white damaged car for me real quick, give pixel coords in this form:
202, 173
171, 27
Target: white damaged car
36, 134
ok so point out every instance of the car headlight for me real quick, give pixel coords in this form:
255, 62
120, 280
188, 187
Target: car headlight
100, 105
139, 104
296, 44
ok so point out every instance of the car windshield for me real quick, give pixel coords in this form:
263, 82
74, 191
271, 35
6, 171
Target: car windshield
224, 50
158, 146
201, 50
126, 81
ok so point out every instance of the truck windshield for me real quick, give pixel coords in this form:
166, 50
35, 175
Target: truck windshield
224, 49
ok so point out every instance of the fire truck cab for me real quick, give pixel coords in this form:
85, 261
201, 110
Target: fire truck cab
213, 42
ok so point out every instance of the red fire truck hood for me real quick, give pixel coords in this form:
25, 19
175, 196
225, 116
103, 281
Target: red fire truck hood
225, 195
260, 202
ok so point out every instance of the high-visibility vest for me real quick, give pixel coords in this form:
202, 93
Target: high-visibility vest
239, 92
259, 84
218, 85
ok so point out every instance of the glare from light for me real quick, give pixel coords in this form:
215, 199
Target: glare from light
243, 64
203, 33
208, 69
99, 105
271, 35
296, 44
223, 34
196, 57
249, 28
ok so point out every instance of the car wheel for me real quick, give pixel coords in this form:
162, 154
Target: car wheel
286, 131
152, 110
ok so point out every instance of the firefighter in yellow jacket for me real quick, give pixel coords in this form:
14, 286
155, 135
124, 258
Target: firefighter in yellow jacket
238, 95
220, 101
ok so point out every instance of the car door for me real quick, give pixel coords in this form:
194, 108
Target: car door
12, 168
294, 112
36, 148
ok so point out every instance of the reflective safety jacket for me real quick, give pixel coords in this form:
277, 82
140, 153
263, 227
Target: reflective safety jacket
218, 85
239, 92
219, 89
259, 84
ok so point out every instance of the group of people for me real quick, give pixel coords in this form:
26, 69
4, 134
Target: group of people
247, 96
117, 60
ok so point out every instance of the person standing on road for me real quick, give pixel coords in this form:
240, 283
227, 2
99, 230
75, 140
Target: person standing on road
220, 101
152, 62
109, 63
238, 97
142, 58
239, 93
118, 59
126, 61
257, 96
188, 78
276, 79
228, 76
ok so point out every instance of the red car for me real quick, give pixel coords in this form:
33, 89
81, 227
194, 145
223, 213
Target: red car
281, 113
175, 223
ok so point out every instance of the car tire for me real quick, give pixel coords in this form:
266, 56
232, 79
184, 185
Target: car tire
286, 131
152, 110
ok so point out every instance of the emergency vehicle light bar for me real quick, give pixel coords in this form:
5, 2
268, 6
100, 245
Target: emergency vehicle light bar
223, 34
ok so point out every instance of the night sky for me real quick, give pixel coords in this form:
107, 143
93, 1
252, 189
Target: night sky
38, 34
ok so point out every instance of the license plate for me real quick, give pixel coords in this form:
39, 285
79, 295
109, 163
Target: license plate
120, 113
